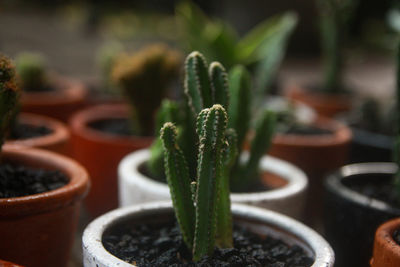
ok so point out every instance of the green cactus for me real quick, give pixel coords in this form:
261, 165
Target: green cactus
31, 69
9, 94
144, 78
211, 186
106, 57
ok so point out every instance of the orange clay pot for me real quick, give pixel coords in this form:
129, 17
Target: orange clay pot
68, 97
8, 264
386, 251
327, 105
316, 156
101, 152
38, 230
57, 141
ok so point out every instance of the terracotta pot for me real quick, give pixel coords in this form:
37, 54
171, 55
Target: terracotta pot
259, 220
351, 218
101, 152
287, 196
38, 230
327, 105
316, 156
68, 97
57, 141
386, 250
8, 264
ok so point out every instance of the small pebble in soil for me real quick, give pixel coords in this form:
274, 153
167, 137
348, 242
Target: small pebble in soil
149, 245
116, 126
17, 180
21, 131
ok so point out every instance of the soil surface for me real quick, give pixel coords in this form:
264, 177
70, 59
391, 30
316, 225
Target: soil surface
396, 236
299, 129
117, 126
40, 89
380, 187
25, 131
150, 245
18, 180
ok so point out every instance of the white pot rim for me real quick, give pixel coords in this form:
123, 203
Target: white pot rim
297, 180
93, 246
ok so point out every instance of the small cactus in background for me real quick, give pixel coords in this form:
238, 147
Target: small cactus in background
8, 96
31, 70
144, 78
204, 86
106, 57
202, 207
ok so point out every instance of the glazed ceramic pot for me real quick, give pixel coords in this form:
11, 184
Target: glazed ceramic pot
260, 221
316, 155
287, 196
351, 218
368, 146
38, 230
61, 103
101, 152
327, 105
57, 141
386, 251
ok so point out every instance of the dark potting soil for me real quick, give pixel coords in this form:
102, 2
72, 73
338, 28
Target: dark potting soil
17, 180
116, 126
299, 129
46, 88
380, 187
24, 131
396, 236
150, 245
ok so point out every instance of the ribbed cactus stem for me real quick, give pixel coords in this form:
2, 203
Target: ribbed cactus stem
262, 140
210, 169
239, 109
219, 84
197, 82
179, 183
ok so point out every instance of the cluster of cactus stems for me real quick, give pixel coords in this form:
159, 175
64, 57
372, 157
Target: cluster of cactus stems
9, 94
202, 205
31, 71
334, 15
144, 78
204, 86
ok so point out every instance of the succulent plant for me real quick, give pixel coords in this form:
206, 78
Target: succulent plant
334, 17
31, 71
202, 206
9, 94
144, 78
204, 86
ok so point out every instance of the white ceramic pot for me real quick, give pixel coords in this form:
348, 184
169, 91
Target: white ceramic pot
135, 187
259, 221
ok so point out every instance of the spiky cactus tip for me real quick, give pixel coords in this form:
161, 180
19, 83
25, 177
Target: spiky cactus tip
31, 71
144, 78
8, 96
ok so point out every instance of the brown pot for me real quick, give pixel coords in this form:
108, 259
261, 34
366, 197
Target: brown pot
57, 141
316, 156
38, 230
327, 105
101, 152
8, 264
386, 251
68, 97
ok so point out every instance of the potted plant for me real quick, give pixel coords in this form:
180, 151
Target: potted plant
255, 179
203, 214
40, 194
44, 93
360, 197
386, 251
103, 134
331, 97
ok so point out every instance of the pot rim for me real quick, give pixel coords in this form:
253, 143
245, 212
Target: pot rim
333, 183
80, 120
71, 91
297, 180
59, 134
75, 190
92, 236
385, 246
